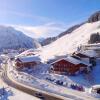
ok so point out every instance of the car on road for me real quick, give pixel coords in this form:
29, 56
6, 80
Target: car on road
39, 95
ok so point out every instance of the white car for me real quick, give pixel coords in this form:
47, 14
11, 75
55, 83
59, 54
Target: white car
95, 90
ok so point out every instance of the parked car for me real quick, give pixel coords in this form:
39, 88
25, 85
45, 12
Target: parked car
50, 79
95, 91
39, 95
58, 82
77, 87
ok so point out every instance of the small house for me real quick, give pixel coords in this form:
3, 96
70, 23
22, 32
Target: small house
27, 61
88, 56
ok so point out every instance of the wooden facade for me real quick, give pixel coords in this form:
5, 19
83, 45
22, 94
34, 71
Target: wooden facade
86, 58
19, 63
66, 67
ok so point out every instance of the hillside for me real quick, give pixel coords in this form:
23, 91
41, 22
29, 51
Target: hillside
52, 39
93, 18
69, 43
14, 39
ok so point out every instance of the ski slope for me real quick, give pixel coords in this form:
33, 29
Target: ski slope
70, 42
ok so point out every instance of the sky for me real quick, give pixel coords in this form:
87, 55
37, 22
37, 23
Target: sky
44, 18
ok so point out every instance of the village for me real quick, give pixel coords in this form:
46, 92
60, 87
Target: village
28, 68
83, 61
72, 64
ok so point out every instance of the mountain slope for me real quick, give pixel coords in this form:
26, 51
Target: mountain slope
13, 39
69, 43
52, 39
93, 18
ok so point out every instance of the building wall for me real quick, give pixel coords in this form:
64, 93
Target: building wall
28, 64
65, 66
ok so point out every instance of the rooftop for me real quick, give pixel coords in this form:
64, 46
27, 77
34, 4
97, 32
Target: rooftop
29, 58
72, 60
88, 53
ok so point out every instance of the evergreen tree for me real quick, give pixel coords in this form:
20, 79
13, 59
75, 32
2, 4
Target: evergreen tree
94, 38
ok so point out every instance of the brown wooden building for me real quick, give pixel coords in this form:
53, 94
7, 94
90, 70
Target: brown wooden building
28, 61
89, 58
69, 66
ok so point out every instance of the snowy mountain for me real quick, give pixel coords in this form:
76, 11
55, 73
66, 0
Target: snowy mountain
14, 39
52, 39
93, 18
69, 43
80, 34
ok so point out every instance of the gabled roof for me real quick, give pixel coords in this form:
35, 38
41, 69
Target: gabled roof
72, 60
96, 86
81, 55
29, 58
86, 53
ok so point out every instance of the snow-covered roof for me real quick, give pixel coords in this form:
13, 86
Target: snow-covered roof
89, 53
95, 45
29, 58
72, 60
96, 86
28, 52
75, 61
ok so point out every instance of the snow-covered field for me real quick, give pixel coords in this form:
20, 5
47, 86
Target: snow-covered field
18, 95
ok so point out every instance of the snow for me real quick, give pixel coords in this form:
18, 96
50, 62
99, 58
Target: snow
81, 78
94, 92
76, 61
70, 42
72, 60
12, 93
49, 87
90, 53
96, 86
29, 58
21, 96
29, 52
96, 72
63, 46
41, 72
37, 78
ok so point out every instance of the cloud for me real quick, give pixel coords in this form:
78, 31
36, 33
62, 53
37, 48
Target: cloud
44, 27
49, 29
24, 15
44, 30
